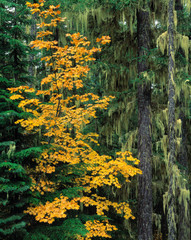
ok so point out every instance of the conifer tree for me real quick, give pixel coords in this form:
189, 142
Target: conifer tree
177, 89
144, 128
171, 124
14, 191
183, 205
14, 182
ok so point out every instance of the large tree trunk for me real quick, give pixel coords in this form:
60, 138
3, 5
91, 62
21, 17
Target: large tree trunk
144, 132
171, 215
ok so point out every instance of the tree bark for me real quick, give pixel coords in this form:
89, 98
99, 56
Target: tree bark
144, 130
184, 206
171, 215
33, 37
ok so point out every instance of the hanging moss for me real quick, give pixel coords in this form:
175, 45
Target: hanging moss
11, 150
160, 125
165, 201
131, 136
179, 41
162, 42
164, 145
175, 20
157, 221
185, 44
187, 4
178, 128
118, 74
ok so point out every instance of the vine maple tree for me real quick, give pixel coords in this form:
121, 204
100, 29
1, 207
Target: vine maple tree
69, 165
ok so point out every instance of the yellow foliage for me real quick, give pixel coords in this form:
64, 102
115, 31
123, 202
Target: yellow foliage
16, 96
97, 229
51, 210
104, 39
62, 118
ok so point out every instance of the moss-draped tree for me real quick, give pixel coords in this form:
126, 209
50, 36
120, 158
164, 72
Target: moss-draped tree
144, 127
171, 124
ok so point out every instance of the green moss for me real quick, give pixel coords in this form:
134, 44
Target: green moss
162, 42
187, 4
164, 145
157, 221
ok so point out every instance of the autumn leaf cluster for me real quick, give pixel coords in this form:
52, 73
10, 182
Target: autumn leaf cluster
60, 112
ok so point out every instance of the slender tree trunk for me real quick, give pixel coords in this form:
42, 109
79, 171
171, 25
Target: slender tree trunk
15, 55
33, 32
171, 215
184, 206
183, 227
144, 131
